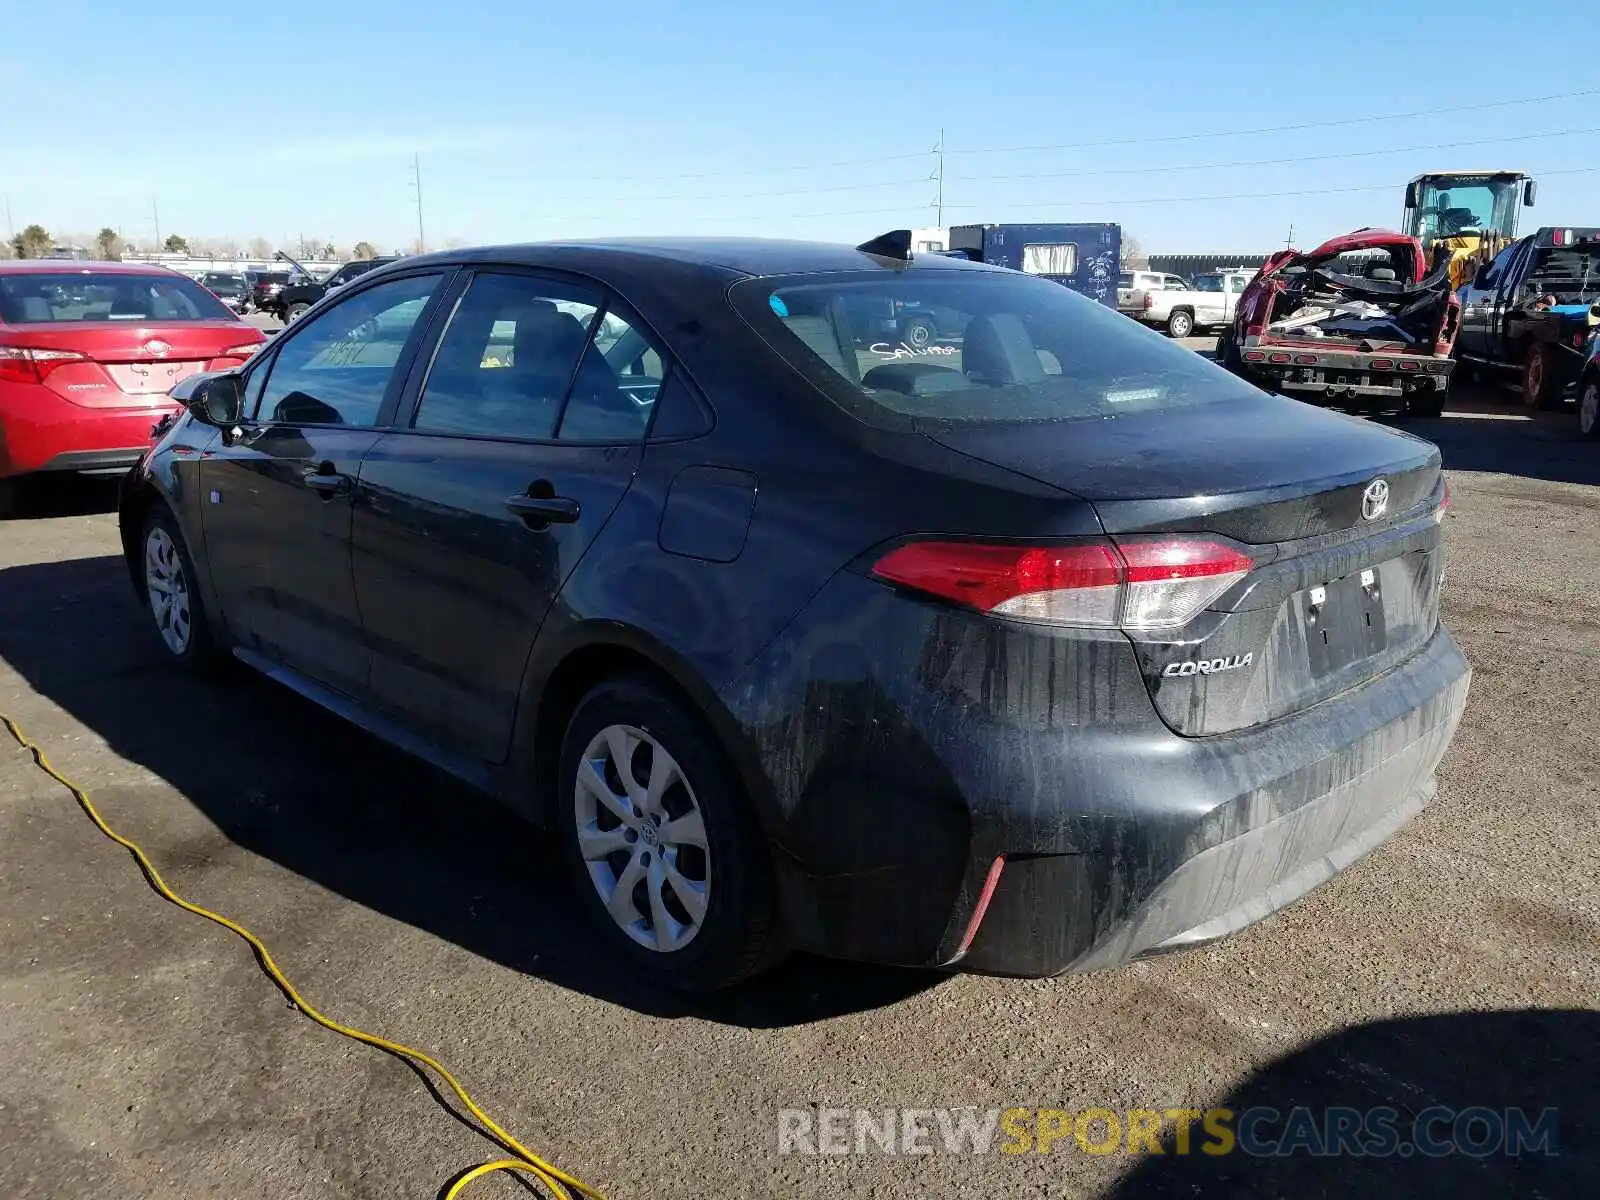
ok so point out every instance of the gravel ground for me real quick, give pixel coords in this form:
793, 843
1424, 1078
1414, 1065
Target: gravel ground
146, 1056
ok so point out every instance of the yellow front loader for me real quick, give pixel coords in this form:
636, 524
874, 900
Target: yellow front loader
1468, 215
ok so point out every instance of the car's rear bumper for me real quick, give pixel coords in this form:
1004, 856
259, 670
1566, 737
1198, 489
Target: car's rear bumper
39, 431
1118, 837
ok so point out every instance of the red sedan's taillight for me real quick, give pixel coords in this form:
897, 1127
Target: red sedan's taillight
29, 364
244, 351
1138, 584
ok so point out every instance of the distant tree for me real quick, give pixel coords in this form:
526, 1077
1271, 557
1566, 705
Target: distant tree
176, 245
33, 242
226, 248
455, 243
329, 250
258, 247
1133, 255
108, 244
364, 251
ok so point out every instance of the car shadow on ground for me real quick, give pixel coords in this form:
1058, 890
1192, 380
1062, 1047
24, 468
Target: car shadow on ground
1530, 1060
303, 789
45, 496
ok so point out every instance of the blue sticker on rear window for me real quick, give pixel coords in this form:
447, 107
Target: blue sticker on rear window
778, 306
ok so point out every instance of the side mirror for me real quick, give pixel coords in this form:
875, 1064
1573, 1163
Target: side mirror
1530, 190
217, 401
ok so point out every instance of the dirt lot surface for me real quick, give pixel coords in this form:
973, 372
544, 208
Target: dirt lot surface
145, 1055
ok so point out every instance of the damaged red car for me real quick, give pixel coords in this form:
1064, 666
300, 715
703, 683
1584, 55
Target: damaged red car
1359, 321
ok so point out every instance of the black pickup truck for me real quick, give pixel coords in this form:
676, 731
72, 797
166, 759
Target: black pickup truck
1533, 310
304, 289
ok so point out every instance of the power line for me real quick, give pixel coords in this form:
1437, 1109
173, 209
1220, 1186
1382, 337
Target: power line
938, 175
1080, 203
1130, 141
1300, 158
1333, 124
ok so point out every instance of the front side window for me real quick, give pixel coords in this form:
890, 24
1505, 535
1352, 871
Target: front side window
336, 367
1050, 258
51, 296
1006, 348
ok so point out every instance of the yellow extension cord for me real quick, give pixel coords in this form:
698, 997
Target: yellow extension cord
552, 1177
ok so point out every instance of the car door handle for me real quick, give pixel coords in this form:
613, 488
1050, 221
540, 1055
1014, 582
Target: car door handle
544, 508
329, 483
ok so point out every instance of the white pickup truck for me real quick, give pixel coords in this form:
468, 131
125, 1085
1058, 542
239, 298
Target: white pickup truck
1181, 311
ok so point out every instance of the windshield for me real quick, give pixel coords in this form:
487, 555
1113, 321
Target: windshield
984, 347
87, 296
1467, 204
1208, 283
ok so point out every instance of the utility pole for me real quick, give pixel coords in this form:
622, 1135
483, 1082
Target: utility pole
416, 169
155, 214
938, 177
11, 229
1288, 244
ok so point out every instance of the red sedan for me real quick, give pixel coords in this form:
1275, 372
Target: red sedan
88, 353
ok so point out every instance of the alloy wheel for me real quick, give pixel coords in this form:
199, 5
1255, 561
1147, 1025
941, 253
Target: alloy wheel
642, 836
168, 589
1533, 380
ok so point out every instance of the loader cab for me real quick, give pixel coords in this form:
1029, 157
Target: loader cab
1484, 207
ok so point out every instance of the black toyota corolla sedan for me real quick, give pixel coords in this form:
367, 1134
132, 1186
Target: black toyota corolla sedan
1038, 647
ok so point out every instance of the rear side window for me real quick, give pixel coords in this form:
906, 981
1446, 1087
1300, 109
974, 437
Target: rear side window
527, 358
87, 296
991, 347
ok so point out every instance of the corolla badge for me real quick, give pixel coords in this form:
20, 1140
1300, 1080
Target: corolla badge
157, 348
1375, 500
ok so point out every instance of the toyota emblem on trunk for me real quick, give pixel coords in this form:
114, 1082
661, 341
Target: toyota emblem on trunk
1375, 500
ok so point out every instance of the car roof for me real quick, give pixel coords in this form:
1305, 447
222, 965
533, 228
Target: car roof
29, 266
733, 256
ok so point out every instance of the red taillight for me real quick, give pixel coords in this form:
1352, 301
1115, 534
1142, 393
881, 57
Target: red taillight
1444, 502
1305, 360
1382, 364
1278, 357
1408, 365
1146, 583
29, 364
244, 351
1149, 300
1254, 356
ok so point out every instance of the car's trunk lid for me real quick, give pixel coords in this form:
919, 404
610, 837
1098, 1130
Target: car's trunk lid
131, 364
1344, 587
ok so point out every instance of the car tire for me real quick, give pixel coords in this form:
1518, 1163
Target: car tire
294, 311
1538, 384
172, 597
1426, 405
1589, 408
918, 333
10, 497
700, 912
1180, 324
1227, 354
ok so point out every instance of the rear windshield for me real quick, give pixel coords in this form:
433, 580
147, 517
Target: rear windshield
1208, 283
980, 347
1125, 280
87, 296
224, 282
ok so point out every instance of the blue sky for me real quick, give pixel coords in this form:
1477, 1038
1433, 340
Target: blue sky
815, 119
